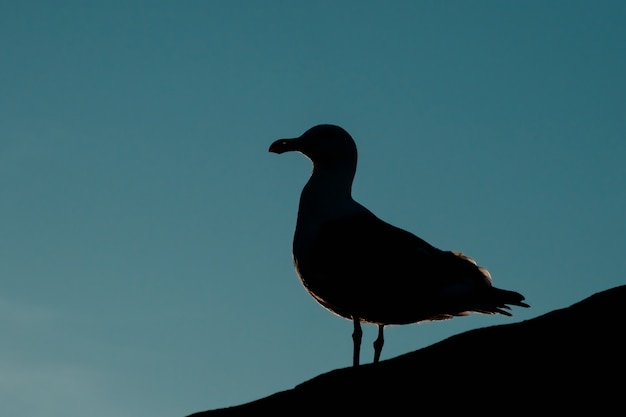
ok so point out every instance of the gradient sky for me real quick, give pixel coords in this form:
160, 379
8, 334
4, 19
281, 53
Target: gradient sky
145, 230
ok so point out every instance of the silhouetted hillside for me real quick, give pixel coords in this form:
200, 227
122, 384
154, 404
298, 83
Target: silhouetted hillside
567, 360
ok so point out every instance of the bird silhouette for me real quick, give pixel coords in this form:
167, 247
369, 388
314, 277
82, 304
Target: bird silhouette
366, 270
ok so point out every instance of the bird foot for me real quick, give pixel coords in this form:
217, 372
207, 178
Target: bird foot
357, 335
378, 343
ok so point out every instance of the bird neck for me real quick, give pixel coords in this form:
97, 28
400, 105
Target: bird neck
330, 184
327, 195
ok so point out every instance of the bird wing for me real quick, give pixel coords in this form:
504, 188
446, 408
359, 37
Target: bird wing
368, 265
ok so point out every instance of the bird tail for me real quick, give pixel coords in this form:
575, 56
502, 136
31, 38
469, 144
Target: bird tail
498, 301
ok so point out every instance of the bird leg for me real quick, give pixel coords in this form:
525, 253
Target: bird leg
378, 343
356, 338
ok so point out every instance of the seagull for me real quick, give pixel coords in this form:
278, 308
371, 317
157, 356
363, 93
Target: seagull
369, 271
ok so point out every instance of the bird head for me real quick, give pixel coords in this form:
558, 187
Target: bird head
325, 145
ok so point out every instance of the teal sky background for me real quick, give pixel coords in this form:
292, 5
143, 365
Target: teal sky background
145, 230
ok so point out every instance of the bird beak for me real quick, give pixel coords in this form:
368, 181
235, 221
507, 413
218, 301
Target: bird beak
285, 145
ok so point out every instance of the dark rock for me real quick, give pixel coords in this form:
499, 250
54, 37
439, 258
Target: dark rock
568, 360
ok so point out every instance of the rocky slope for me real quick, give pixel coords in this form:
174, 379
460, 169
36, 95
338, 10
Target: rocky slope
572, 359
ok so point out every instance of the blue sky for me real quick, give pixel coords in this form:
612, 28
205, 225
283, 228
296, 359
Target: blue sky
146, 231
